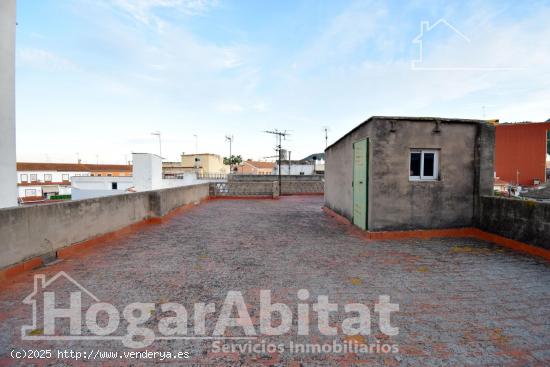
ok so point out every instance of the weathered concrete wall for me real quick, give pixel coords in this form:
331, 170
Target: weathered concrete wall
395, 202
251, 188
261, 178
8, 175
302, 187
521, 220
37, 230
172, 198
339, 172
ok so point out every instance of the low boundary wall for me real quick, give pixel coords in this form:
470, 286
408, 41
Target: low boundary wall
41, 230
268, 187
521, 220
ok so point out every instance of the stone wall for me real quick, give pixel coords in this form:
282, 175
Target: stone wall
520, 220
31, 231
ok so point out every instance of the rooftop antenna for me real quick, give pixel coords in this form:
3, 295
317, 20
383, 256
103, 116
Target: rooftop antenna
279, 136
230, 140
326, 136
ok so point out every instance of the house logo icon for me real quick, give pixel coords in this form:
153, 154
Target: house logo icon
458, 48
426, 27
29, 332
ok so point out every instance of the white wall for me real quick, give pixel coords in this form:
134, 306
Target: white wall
8, 187
23, 193
57, 176
93, 187
295, 169
147, 171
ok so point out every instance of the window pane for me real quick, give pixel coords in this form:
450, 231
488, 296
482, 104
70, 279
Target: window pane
415, 163
429, 159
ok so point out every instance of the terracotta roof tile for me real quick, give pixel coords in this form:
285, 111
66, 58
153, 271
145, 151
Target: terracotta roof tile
73, 167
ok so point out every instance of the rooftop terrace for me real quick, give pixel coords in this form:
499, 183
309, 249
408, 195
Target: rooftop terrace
462, 301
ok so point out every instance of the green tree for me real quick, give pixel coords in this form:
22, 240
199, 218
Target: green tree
234, 160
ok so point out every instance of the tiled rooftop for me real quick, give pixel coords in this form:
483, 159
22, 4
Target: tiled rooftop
462, 301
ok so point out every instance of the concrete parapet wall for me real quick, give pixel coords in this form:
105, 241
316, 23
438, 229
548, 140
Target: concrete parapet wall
31, 231
520, 220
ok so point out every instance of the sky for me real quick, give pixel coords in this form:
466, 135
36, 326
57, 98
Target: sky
94, 78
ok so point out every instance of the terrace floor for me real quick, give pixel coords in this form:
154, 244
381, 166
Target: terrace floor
462, 301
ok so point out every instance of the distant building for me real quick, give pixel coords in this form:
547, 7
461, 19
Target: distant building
314, 157
521, 151
295, 168
310, 165
147, 175
202, 163
39, 181
205, 163
250, 167
85, 187
500, 186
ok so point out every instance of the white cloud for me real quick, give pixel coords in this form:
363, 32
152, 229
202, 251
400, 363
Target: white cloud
44, 60
143, 10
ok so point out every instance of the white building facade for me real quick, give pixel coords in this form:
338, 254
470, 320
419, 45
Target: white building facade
8, 187
43, 181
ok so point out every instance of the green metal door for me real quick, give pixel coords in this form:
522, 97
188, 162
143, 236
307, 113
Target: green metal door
360, 182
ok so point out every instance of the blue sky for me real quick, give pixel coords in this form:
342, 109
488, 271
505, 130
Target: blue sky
96, 77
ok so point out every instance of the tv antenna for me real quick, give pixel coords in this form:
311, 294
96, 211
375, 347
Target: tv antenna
279, 136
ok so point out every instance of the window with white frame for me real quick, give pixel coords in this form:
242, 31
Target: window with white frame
424, 165
34, 177
47, 177
24, 177
65, 177
30, 192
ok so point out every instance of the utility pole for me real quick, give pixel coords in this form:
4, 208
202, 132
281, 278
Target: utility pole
230, 140
326, 137
279, 135
157, 133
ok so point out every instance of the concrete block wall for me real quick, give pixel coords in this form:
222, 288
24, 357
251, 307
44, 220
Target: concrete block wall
275, 178
251, 188
520, 220
302, 187
31, 231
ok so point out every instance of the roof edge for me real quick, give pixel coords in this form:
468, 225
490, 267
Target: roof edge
412, 119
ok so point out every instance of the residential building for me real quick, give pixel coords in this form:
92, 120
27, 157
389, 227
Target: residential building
295, 168
38, 181
521, 152
402, 173
205, 163
85, 187
147, 175
8, 187
174, 169
500, 186
250, 167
